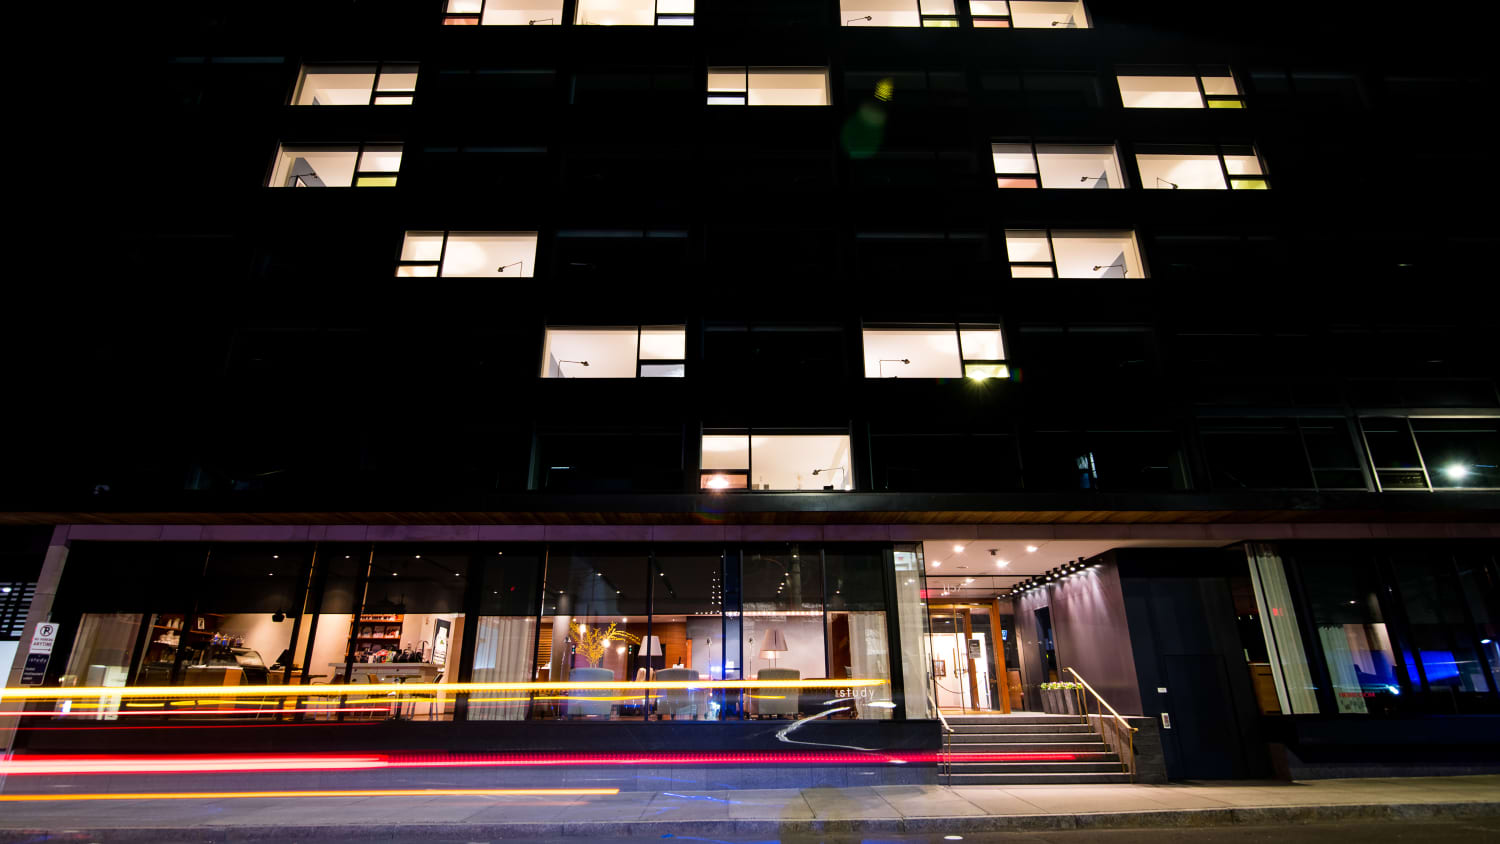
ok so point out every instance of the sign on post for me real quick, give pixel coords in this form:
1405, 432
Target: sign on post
35, 669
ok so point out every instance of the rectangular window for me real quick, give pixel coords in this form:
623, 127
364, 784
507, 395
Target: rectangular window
503, 13
650, 351
468, 254
1061, 253
356, 84
1434, 453
357, 165
634, 13
1215, 89
775, 462
934, 351
1079, 166
760, 86
935, 13
1021, 14
1200, 168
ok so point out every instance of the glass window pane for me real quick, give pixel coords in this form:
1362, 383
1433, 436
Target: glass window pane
1393, 454
880, 12
1220, 86
397, 77
1013, 158
726, 451
385, 99
663, 370
1031, 272
794, 462
589, 353
490, 254
314, 167
1255, 454
782, 627
522, 13
1242, 165
464, 7
982, 371
674, 7
616, 12
1460, 453
663, 342
1083, 166
938, 7
1442, 637
727, 79
789, 86
430, 271
1026, 245
1330, 449
858, 642
989, 7
982, 344
384, 158
1188, 172
422, 246
1344, 600
1160, 92
911, 353
1034, 15
687, 616
1096, 254
594, 628
335, 85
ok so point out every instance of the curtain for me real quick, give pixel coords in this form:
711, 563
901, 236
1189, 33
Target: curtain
1278, 621
911, 615
503, 648
101, 656
869, 659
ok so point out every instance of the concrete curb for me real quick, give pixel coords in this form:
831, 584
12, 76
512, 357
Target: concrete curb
1165, 818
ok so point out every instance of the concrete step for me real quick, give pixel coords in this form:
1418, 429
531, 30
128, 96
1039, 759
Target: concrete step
1034, 747
1001, 738
1084, 756
1017, 729
1024, 718
1033, 779
1036, 768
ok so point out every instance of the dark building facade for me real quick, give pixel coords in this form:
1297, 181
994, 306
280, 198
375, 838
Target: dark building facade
923, 356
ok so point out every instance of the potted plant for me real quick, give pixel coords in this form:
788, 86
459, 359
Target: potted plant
1049, 698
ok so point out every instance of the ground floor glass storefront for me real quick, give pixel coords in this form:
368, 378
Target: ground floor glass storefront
371, 615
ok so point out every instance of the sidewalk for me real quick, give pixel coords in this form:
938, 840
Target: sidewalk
875, 809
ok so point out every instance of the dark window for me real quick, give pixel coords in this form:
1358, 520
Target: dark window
774, 351
945, 462
1255, 454
605, 461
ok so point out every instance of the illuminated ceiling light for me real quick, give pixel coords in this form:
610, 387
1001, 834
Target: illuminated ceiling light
718, 482
958, 549
1002, 563
1031, 549
937, 563
1456, 471
968, 580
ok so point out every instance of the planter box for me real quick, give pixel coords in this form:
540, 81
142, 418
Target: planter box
1049, 701
1069, 701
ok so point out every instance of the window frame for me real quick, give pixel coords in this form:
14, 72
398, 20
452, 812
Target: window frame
355, 177
376, 93
1052, 250
1198, 74
640, 329
1217, 150
1406, 423
727, 97
443, 253
1036, 174
964, 361
750, 433
477, 18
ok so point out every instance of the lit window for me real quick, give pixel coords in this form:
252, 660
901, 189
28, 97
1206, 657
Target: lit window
934, 351
1200, 168
357, 165
648, 351
356, 84
1019, 14
1080, 166
634, 13
1207, 90
758, 86
468, 254
1073, 253
1434, 453
932, 13
775, 462
503, 12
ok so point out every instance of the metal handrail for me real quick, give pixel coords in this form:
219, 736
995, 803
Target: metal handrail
947, 739
1127, 760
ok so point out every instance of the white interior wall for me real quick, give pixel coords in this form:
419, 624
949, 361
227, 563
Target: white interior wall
1026, 14
1079, 167
616, 13
334, 165
1160, 92
610, 353
1079, 252
1189, 172
481, 254
335, 88
521, 13
789, 86
933, 353
804, 642
881, 12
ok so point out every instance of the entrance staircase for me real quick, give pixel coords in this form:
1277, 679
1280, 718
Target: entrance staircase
1028, 748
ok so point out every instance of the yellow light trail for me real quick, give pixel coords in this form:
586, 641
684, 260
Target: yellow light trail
230, 795
210, 692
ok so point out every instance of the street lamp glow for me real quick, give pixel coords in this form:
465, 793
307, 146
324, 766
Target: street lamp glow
1456, 471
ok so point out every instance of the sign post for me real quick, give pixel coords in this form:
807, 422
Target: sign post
35, 669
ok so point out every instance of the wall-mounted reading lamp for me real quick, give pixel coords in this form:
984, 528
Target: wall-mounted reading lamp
882, 363
1104, 179
829, 469
539, 20
852, 20
1067, 23
503, 267
561, 362
1160, 181
1121, 265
